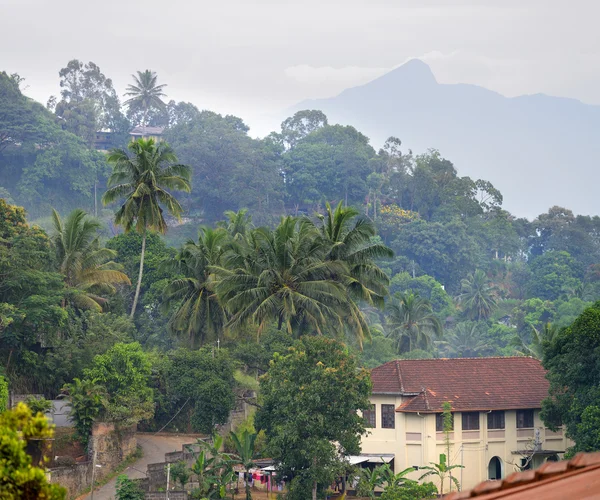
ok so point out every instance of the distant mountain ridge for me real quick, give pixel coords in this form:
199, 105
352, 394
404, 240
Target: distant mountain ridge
537, 149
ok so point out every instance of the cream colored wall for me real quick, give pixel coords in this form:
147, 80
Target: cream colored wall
415, 442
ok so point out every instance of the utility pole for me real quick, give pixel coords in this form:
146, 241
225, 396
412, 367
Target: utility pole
93, 474
168, 479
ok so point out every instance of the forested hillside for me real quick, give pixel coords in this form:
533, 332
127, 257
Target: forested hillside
247, 244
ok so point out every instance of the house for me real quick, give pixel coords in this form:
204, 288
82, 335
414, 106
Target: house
103, 140
496, 411
575, 479
147, 133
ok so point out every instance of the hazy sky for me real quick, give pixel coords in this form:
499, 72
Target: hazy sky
256, 57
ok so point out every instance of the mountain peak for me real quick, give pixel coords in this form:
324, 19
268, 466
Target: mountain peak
413, 70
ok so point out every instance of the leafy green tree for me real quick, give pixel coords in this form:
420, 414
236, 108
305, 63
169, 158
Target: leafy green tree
442, 250
551, 273
331, 163
410, 491
196, 308
411, 323
144, 180
441, 470
83, 262
245, 453
316, 382
425, 286
145, 94
297, 127
115, 388
200, 385
181, 473
89, 102
230, 170
477, 297
21, 478
127, 489
574, 396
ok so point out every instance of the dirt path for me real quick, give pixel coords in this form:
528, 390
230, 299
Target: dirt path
154, 448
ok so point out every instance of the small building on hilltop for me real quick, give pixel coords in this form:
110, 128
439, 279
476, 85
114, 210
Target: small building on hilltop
495, 403
155, 133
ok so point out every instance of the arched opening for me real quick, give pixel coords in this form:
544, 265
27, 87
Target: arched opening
495, 468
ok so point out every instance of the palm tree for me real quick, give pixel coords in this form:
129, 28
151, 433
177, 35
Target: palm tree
143, 180
350, 240
534, 349
477, 297
87, 267
145, 94
411, 322
197, 309
282, 276
246, 453
238, 224
465, 341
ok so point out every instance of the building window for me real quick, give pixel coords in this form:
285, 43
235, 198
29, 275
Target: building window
388, 416
470, 421
370, 417
439, 422
496, 420
524, 419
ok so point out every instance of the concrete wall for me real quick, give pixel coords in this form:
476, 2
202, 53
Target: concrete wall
112, 444
415, 442
75, 478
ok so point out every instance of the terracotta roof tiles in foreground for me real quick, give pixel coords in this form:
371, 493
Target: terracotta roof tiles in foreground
576, 479
470, 384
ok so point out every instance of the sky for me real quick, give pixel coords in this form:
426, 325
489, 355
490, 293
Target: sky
255, 58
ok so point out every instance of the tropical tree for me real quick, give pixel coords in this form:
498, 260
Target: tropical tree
477, 297
85, 264
144, 181
349, 239
535, 348
238, 224
465, 341
145, 94
245, 453
197, 310
282, 276
20, 477
441, 470
411, 322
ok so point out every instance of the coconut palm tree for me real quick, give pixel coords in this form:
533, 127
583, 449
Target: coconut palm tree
477, 297
197, 309
535, 348
282, 276
87, 266
238, 224
349, 239
465, 341
411, 322
145, 93
144, 180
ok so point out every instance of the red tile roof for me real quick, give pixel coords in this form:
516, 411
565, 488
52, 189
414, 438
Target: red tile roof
470, 384
576, 479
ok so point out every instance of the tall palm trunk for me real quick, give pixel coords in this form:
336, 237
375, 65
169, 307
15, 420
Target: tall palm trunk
139, 282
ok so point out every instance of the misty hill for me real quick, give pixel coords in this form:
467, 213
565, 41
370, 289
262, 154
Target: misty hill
537, 149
